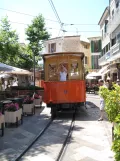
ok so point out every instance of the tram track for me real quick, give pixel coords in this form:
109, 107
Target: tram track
62, 149
34, 140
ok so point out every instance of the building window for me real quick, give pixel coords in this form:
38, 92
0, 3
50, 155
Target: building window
112, 12
113, 41
95, 61
118, 37
52, 48
117, 4
102, 34
106, 25
49, 48
85, 46
86, 60
95, 46
109, 46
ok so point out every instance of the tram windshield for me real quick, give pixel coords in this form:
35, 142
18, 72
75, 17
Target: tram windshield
64, 67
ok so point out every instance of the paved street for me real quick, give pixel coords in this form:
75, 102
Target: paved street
91, 140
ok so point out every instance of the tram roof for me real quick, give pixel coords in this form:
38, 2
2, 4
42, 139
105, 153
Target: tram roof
81, 54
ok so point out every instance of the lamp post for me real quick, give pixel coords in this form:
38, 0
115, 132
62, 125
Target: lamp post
33, 50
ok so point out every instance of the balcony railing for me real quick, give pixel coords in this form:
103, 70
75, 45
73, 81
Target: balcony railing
114, 21
104, 58
115, 49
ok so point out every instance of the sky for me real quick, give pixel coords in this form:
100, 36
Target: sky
84, 14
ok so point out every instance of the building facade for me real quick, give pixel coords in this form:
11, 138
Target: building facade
111, 54
95, 47
69, 44
105, 52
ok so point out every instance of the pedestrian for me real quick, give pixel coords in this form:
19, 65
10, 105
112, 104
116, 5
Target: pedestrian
102, 101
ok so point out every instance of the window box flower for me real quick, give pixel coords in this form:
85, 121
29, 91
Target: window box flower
2, 123
13, 114
28, 105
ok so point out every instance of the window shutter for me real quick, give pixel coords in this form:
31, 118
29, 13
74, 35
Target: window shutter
100, 46
92, 47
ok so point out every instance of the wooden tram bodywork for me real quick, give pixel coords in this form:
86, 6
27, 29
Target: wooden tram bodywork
69, 93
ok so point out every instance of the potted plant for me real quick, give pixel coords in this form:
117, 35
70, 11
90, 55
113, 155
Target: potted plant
2, 123
37, 99
28, 105
13, 114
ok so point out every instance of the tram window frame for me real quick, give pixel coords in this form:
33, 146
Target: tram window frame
75, 75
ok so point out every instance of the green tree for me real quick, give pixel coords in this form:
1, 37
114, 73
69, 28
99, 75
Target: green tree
25, 58
9, 46
36, 33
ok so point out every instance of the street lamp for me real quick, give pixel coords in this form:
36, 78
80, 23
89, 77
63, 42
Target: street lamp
33, 50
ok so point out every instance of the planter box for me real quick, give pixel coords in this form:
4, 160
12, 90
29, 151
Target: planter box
13, 117
28, 109
38, 101
2, 124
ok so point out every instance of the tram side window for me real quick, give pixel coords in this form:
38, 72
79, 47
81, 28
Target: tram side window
74, 69
52, 69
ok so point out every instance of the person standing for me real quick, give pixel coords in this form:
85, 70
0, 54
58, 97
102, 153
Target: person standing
102, 101
63, 73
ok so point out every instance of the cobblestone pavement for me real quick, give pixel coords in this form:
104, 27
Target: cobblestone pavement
91, 140
15, 140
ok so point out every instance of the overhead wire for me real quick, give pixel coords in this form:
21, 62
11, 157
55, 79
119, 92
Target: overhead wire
20, 23
48, 19
56, 14
55, 11
25, 14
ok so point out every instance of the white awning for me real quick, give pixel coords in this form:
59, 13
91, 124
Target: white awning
87, 77
94, 74
106, 71
105, 68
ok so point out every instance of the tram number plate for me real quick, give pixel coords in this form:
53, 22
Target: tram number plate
65, 91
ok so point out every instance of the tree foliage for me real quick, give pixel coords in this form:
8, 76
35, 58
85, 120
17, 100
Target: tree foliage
11, 52
36, 33
9, 46
112, 108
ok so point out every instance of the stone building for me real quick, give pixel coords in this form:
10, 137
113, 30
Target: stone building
69, 44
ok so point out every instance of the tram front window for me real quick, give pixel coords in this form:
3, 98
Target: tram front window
52, 72
62, 73
74, 69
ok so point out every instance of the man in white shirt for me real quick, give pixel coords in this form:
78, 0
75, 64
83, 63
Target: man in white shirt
63, 73
102, 102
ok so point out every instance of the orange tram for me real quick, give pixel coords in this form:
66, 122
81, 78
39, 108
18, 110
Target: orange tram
64, 85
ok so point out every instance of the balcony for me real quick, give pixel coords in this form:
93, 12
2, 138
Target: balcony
114, 21
103, 60
115, 49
